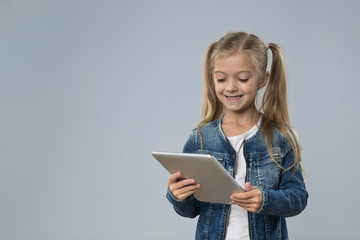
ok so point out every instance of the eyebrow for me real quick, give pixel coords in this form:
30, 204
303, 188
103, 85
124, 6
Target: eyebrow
245, 71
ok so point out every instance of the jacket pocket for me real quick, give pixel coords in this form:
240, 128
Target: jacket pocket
220, 157
267, 172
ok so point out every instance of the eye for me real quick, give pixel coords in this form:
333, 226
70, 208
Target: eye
243, 80
221, 80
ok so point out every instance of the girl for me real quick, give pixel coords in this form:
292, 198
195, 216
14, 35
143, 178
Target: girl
257, 146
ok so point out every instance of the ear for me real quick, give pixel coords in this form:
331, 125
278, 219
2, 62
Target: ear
264, 80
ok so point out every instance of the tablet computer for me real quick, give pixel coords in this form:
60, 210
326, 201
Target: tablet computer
216, 184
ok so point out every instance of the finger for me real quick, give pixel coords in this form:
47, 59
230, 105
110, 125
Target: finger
247, 187
253, 192
182, 183
252, 208
255, 200
174, 177
186, 191
252, 202
185, 195
187, 188
243, 201
243, 196
182, 186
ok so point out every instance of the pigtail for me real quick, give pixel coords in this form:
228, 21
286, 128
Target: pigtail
274, 106
212, 108
274, 102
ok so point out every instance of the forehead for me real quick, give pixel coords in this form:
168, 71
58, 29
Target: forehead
234, 63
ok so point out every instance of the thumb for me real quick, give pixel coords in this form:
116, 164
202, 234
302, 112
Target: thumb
247, 187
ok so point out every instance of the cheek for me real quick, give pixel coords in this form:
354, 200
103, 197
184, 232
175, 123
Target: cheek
218, 88
252, 87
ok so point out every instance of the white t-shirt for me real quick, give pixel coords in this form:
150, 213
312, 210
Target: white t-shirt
238, 224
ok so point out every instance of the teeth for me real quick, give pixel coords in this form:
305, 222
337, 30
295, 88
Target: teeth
233, 98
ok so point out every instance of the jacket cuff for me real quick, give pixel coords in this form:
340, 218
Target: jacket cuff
264, 202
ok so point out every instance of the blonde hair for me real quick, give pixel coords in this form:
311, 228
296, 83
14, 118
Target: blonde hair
274, 102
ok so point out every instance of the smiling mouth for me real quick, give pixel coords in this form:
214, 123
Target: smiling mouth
234, 99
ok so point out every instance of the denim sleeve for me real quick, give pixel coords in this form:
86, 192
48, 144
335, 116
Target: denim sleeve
291, 197
188, 207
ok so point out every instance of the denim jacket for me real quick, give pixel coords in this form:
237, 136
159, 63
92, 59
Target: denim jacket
284, 192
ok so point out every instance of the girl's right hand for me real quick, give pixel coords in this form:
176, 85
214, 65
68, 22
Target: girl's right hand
183, 188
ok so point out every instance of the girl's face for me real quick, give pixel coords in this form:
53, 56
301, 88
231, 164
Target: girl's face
236, 82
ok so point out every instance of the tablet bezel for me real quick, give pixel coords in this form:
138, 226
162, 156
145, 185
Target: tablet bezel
216, 184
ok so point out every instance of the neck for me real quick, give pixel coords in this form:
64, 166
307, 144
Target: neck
250, 117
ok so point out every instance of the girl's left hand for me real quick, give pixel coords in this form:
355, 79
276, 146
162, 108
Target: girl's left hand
251, 200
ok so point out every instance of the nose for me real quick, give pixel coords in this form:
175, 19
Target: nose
231, 86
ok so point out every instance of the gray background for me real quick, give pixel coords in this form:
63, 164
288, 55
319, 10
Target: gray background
89, 88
